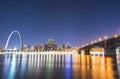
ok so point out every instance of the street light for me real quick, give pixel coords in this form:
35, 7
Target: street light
105, 37
95, 41
99, 39
105, 44
115, 36
82, 46
86, 44
92, 42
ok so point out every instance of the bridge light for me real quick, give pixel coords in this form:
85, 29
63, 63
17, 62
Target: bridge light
115, 36
82, 46
95, 41
99, 39
105, 37
92, 42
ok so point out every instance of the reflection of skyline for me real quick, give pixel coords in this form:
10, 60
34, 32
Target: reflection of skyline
49, 66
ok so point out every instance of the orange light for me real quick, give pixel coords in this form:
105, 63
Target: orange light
115, 36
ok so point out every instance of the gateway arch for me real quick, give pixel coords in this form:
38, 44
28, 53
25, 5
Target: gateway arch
20, 38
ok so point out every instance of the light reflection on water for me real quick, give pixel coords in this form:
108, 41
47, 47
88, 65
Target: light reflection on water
59, 67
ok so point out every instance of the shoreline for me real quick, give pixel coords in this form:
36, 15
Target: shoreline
48, 52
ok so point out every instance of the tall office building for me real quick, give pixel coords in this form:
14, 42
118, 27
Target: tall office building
26, 48
50, 46
66, 46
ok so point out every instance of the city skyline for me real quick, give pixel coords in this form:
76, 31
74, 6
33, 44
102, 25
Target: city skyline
20, 42
20, 46
76, 22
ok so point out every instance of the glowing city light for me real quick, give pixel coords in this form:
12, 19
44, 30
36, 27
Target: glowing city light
83, 46
92, 42
95, 41
106, 37
100, 39
115, 36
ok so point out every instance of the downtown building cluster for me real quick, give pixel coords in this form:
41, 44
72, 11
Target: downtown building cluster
50, 46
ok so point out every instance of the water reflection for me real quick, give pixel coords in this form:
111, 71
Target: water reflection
46, 66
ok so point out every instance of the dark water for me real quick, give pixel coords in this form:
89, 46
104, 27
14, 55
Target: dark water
59, 67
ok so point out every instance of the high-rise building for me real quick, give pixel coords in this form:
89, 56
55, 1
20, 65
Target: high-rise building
35, 48
50, 46
50, 41
40, 48
2, 49
66, 47
26, 48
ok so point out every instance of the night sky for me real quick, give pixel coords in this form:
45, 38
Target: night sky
75, 21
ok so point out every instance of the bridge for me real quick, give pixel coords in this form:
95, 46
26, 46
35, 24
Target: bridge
110, 46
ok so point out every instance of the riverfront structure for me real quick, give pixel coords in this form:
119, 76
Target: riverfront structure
51, 46
106, 46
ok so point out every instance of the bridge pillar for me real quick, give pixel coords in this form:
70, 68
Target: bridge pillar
87, 51
110, 51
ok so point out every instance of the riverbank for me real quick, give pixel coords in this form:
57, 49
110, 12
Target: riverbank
43, 52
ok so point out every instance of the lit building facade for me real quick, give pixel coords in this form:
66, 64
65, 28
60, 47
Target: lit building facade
50, 46
26, 48
2, 49
66, 47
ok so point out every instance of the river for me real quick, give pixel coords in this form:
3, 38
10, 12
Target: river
26, 66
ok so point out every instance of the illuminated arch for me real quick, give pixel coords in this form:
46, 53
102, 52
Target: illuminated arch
82, 51
7, 42
96, 50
